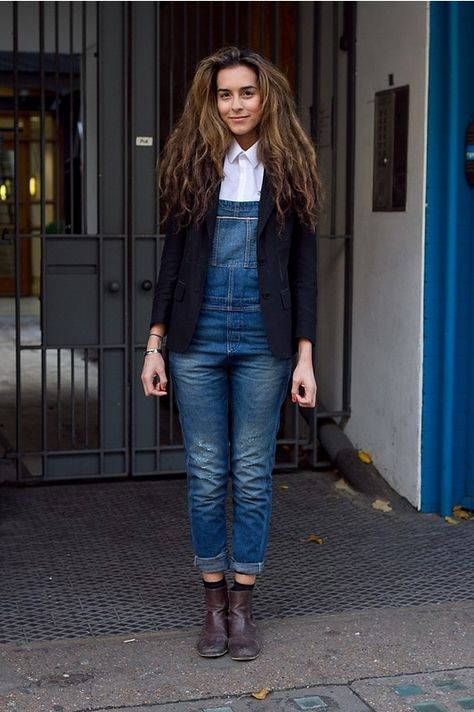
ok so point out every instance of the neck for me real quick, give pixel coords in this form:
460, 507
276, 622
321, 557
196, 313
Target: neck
245, 143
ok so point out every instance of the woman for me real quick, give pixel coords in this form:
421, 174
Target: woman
235, 297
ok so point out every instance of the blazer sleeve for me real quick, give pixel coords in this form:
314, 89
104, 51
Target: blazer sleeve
303, 282
171, 259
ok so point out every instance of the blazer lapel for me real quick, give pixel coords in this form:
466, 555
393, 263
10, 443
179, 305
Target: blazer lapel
267, 204
212, 215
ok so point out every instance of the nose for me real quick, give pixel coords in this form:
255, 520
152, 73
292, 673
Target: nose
236, 102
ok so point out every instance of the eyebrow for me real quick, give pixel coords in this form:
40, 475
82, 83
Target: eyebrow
250, 86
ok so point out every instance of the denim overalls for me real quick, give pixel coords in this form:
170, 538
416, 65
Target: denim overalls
229, 389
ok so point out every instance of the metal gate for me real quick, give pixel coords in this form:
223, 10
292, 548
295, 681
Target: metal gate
88, 93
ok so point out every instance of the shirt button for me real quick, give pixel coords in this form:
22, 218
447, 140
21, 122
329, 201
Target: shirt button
266, 295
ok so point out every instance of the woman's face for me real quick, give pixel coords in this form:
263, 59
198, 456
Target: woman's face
239, 103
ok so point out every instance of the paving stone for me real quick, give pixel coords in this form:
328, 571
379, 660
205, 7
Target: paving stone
407, 690
449, 684
424, 692
309, 703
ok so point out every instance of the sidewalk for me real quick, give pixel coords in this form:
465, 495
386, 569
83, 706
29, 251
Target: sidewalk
340, 632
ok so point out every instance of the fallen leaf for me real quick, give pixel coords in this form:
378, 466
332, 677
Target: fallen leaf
261, 694
364, 457
316, 539
382, 505
283, 488
341, 484
450, 520
461, 513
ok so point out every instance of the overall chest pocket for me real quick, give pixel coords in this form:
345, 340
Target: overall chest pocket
235, 242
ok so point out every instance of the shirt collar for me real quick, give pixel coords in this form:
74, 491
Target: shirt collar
235, 150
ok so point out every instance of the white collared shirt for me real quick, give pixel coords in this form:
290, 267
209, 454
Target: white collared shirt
243, 174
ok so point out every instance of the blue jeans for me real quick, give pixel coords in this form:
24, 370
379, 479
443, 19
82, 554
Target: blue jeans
229, 406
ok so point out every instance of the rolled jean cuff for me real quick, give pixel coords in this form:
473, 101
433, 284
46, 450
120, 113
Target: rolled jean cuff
214, 565
246, 568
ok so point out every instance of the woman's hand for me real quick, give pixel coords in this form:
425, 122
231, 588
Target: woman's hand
154, 375
303, 387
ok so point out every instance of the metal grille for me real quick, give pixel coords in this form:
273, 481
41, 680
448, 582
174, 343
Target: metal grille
105, 558
88, 94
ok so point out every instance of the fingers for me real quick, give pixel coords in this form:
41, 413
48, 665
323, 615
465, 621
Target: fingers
305, 397
153, 376
303, 392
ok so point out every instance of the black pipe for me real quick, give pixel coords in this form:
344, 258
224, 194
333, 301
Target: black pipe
363, 477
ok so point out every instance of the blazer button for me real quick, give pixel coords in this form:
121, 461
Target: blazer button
266, 295
261, 262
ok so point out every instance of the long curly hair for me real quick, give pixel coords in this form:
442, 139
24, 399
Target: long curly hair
191, 165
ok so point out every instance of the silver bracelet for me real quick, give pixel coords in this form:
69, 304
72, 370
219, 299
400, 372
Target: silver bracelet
153, 351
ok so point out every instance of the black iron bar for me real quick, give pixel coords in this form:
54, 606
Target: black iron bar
129, 225
16, 159
171, 67
156, 148
34, 347
98, 120
72, 225
296, 434
57, 165
334, 116
86, 397
44, 370
170, 415
72, 402
58, 398
315, 110
100, 226
83, 116
157, 240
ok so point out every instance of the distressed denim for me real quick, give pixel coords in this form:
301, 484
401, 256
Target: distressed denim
229, 389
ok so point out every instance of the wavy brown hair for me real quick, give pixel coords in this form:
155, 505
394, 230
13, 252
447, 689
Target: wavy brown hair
191, 165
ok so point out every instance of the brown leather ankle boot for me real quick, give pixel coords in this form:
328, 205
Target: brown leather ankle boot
213, 640
243, 643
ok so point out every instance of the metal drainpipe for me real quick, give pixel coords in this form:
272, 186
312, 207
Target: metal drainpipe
344, 456
453, 150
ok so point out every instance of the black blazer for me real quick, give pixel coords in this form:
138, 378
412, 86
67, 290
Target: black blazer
286, 276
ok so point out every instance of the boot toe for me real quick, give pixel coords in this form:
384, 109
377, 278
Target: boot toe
244, 649
212, 648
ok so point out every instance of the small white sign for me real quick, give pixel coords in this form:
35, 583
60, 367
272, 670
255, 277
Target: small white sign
144, 141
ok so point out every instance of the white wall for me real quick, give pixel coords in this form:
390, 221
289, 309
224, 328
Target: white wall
392, 38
